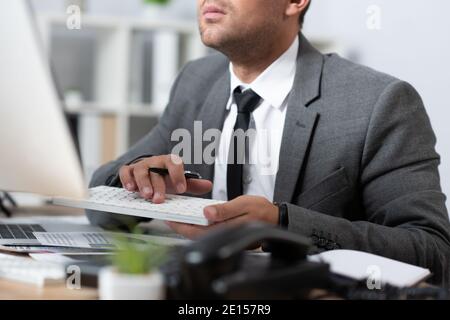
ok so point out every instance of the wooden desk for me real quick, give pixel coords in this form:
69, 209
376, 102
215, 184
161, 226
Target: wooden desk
17, 291
10, 290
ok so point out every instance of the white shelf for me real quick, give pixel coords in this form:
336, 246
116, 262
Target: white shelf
113, 22
104, 22
116, 59
117, 87
183, 27
93, 109
143, 110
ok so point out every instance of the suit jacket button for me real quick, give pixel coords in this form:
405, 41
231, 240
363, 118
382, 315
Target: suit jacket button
247, 180
322, 242
315, 238
331, 245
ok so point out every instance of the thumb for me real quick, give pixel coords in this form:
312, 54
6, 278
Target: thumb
199, 186
225, 211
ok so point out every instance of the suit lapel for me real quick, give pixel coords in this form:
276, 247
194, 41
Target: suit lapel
213, 115
300, 121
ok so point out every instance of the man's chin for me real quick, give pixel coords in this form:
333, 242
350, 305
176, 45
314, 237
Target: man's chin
211, 39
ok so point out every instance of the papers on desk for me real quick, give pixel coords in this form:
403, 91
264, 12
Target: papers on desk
99, 240
361, 265
22, 249
64, 259
90, 240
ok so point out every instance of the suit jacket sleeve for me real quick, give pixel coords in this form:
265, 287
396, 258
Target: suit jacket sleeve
154, 143
406, 217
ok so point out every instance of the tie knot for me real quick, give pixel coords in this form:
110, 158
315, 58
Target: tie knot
246, 101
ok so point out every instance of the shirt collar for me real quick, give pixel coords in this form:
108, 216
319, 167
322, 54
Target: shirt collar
275, 83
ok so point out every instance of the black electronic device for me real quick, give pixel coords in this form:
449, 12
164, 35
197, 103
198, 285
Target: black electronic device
219, 266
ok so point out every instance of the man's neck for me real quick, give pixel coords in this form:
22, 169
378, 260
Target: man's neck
247, 68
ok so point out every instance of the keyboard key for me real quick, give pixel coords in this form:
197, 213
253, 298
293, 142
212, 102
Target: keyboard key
17, 232
37, 228
26, 228
5, 233
30, 235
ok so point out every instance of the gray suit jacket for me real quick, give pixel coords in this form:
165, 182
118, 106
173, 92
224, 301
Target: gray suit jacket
358, 166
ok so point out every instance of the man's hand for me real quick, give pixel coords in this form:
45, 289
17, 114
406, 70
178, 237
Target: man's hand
136, 177
238, 211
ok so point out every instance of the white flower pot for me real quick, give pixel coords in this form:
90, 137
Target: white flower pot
117, 286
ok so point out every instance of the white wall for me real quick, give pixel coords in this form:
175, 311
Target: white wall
413, 44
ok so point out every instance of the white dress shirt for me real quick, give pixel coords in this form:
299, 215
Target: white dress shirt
273, 86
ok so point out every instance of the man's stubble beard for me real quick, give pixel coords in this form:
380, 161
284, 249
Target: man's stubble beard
245, 44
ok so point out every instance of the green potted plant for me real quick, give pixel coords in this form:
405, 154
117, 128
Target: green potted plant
155, 9
134, 274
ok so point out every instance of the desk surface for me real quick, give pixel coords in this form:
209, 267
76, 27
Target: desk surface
11, 290
18, 291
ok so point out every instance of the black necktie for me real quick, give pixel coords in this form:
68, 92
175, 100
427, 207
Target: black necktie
246, 102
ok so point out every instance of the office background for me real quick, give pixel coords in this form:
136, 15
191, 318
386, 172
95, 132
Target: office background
406, 38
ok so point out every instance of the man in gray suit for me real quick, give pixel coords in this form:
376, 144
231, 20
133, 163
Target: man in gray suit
354, 151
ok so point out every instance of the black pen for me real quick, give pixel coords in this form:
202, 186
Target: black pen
165, 172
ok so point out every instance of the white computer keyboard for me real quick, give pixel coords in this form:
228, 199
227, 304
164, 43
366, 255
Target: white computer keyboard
30, 271
117, 200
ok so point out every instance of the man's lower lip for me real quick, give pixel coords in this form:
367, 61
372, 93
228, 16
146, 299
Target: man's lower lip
213, 15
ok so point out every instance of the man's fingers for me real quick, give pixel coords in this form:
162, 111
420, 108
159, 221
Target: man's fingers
159, 188
187, 230
228, 210
192, 231
154, 186
127, 178
143, 182
236, 221
176, 173
199, 187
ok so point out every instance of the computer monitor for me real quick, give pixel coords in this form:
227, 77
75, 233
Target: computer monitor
37, 153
